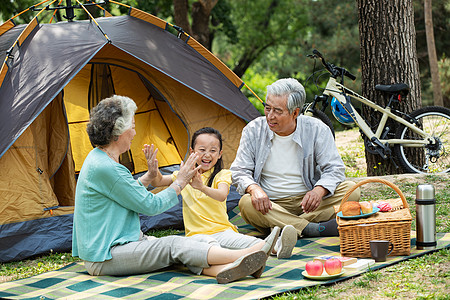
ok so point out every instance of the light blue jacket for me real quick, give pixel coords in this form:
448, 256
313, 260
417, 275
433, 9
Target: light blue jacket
320, 161
108, 201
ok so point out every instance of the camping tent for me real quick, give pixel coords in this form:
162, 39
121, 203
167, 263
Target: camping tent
53, 74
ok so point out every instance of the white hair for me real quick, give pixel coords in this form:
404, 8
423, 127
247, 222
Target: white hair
290, 87
124, 122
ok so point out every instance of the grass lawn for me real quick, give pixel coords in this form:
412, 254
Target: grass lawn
426, 277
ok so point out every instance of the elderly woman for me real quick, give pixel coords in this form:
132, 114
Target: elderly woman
108, 200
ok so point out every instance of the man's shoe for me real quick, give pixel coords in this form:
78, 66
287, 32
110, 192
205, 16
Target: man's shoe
271, 240
286, 242
242, 267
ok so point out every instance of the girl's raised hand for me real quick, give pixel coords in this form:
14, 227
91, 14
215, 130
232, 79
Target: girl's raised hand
197, 182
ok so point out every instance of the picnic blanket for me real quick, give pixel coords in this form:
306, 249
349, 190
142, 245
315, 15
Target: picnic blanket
73, 282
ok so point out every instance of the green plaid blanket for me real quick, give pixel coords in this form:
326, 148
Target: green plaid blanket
73, 282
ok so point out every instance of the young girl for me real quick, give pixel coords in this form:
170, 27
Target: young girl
204, 199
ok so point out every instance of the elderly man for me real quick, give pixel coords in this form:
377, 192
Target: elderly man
288, 170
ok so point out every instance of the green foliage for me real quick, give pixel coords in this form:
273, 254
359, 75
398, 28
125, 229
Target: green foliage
276, 36
262, 27
362, 283
441, 25
328, 26
334, 32
8, 9
372, 276
309, 293
258, 82
160, 8
163, 232
221, 21
444, 76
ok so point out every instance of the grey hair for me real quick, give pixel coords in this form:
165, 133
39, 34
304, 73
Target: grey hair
110, 118
290, 87
124, 122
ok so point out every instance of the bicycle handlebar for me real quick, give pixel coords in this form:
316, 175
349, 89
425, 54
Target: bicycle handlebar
334, 70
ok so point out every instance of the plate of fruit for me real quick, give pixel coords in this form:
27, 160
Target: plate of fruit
330, 269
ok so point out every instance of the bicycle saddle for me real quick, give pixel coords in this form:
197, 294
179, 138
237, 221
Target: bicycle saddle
400, 88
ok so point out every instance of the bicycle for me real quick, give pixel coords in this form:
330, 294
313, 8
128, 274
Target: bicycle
421, 143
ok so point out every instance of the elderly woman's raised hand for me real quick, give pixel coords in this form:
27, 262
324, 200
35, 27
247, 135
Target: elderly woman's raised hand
154, 177
188, 170
152, 163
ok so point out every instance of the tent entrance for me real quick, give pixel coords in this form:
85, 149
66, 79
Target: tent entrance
156, 123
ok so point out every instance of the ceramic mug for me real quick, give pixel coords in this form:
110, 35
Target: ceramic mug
380, 249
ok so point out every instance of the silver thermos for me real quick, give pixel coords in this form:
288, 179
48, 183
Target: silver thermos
425, 217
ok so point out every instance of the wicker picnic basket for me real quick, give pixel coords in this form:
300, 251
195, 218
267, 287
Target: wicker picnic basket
394, 226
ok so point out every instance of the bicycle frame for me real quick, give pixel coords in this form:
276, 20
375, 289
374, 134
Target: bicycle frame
337, 90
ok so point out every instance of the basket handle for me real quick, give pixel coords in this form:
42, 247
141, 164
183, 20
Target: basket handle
368, 180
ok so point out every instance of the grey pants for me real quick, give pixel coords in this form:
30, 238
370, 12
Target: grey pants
229, 239
151, 254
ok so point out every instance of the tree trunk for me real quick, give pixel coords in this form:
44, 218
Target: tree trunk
388, 55
201, 14
432, 57
180, 15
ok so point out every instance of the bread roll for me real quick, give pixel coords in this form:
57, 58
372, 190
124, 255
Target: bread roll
366, 207
351, 208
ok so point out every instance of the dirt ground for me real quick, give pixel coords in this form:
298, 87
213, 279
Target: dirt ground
347, 138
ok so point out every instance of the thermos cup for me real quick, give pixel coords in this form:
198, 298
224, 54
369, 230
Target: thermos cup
425, 217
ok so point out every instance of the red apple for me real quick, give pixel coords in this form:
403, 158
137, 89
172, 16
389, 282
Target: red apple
314, 268
333, 266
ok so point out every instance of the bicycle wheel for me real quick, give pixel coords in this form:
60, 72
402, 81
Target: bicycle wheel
324, 118
431, 158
